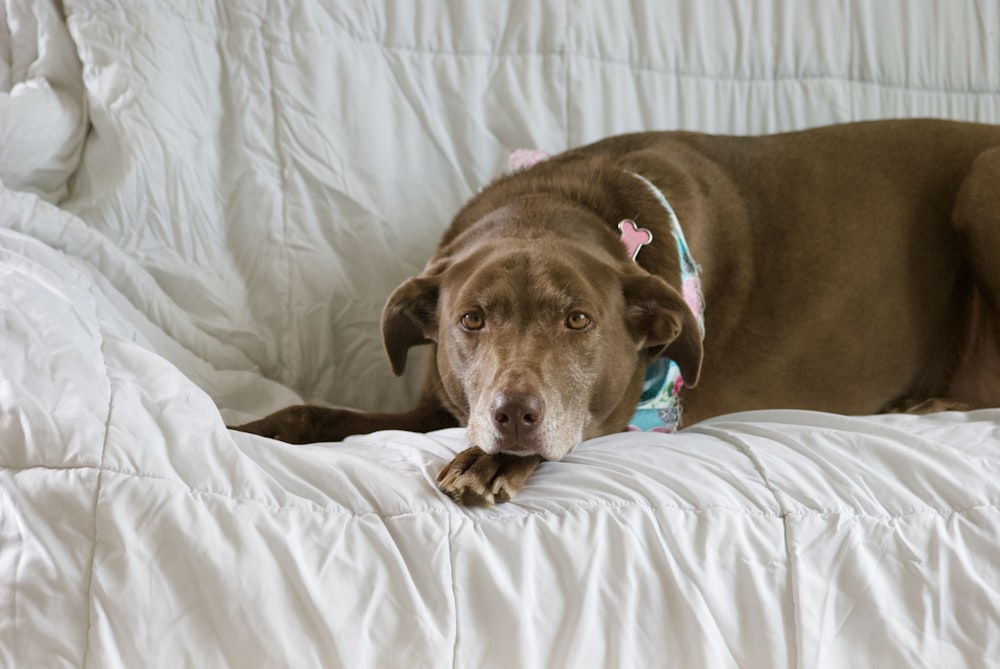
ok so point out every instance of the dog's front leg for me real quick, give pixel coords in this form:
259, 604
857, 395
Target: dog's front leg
476, 478
305, 424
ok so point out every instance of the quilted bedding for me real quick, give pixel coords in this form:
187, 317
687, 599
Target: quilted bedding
203, 207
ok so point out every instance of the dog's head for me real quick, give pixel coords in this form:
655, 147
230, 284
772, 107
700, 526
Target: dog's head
542, 339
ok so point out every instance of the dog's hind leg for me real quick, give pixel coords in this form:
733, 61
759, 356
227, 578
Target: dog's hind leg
976, 217
920, 406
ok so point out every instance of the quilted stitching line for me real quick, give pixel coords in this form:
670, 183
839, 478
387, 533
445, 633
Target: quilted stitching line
567, 63
454, 588
287, 348
481, 516
832, 77
790, 580
97, 497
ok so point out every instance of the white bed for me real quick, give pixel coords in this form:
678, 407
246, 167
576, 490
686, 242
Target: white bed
204, 206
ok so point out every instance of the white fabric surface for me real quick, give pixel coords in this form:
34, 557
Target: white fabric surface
204, 206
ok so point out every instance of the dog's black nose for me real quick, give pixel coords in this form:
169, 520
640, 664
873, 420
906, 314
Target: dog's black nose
517, 414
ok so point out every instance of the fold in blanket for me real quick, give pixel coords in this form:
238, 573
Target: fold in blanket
43, 119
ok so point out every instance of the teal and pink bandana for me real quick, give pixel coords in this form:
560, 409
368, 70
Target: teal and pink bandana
659, 407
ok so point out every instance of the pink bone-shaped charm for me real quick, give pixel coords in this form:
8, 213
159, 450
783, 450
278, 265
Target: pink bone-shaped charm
522, 159
634, 237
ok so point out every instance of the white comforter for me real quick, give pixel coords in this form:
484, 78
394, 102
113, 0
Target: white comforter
204, 206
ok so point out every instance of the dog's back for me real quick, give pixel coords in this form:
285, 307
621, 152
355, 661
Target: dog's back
833, 275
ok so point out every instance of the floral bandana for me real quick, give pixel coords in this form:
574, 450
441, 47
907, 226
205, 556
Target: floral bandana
659, 407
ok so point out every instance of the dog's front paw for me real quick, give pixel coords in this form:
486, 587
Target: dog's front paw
476, 478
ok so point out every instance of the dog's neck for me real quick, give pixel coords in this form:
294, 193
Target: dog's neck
659, 408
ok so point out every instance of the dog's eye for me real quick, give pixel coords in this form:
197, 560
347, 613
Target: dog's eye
473, 321
578, 321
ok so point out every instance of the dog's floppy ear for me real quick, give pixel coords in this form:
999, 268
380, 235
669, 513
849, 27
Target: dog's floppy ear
410, 318
663, 324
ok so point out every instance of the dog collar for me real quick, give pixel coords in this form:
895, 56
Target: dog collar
659, 408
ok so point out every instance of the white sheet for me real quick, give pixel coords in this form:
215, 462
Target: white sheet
256, 177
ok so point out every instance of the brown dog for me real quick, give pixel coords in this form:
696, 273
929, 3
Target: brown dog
852, 269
